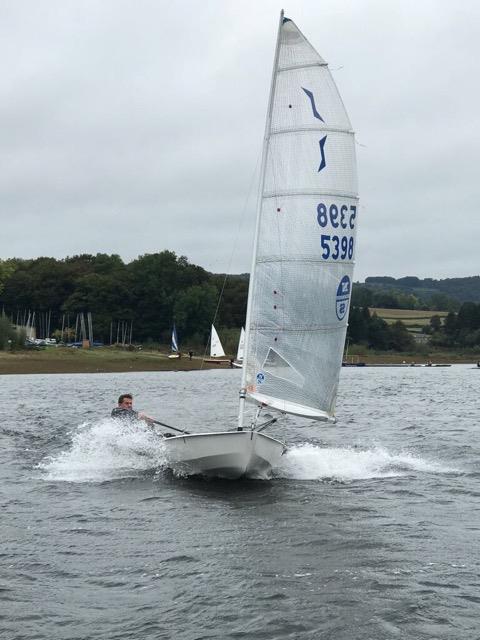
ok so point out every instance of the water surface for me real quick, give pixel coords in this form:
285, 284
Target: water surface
368, 530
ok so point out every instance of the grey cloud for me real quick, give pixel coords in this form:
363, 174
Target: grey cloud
131, 127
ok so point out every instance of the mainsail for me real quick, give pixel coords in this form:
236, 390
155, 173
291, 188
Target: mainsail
301, 276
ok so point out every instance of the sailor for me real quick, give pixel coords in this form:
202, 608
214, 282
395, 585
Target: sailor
125, 411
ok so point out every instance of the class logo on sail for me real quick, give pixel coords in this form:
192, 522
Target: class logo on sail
322, 141
343, 297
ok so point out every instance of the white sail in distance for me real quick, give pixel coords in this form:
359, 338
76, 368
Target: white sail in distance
174, 344
307, 216
216, 349
241, 346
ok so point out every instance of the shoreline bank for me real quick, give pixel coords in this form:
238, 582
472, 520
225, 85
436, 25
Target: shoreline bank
107, 360
64, 360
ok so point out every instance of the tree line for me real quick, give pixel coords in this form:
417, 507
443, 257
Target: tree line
369, 330
147, 295
460, 329
143, 298
386, 295
427, 293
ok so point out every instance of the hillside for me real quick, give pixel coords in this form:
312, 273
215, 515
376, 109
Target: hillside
409, 317
459, 289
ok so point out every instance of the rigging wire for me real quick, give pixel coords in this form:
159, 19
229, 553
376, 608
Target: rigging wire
242, 216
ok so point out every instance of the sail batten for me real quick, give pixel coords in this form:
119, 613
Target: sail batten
302, 66
279, 132
300, 259
307, 192
293, 329
305, 242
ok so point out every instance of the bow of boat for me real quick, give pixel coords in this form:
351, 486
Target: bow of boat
228, 454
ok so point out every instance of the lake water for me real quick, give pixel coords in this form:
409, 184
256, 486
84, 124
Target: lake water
370, 529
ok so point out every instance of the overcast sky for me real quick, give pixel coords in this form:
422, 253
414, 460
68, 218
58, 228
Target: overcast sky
134, 126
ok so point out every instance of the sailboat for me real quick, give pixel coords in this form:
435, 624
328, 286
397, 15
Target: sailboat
174, 344
238, 362
303, 257
216, 350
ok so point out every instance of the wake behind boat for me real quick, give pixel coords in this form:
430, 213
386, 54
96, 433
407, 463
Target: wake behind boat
300, 281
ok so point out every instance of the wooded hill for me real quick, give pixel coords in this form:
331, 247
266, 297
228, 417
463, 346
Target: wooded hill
150, 293
146, 295
443, 294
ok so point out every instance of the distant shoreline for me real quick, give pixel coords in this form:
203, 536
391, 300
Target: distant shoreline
99, 360
113, 360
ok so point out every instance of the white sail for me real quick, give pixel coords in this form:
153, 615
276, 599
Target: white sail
304, 253
216, 349
174, 345
241, 346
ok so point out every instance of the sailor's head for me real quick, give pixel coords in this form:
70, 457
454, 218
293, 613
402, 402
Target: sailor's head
125, 401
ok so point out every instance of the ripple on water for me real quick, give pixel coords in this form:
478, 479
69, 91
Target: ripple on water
369, 529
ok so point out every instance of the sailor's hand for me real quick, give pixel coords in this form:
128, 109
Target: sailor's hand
143, 416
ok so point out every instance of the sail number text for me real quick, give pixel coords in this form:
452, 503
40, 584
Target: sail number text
342, 217
337, 247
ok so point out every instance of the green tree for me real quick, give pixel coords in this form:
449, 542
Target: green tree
385, 300
9, 337
435, 323
194, 310
7, 268
400, 338
108, 297
157, 281
358, 322
450, 325
362, 296
233, 304
469, 316
441, 302
378, 334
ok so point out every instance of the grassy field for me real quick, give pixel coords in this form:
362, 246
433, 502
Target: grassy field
98, 360
361, 354
407, 316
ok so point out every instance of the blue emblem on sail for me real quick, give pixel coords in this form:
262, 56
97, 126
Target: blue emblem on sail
323, 162
343, 297
260, 378
314, 108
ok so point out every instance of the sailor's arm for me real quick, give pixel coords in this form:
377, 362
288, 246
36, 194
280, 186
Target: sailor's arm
143, 416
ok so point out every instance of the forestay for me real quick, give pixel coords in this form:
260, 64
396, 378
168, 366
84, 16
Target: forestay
305, 241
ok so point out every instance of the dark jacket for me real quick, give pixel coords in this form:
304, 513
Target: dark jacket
124, 414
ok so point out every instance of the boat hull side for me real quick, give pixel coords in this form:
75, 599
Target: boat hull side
230, 455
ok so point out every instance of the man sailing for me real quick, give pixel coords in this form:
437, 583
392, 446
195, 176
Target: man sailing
124, 410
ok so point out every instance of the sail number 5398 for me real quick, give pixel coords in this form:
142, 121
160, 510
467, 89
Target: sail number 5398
343, 217
337, 247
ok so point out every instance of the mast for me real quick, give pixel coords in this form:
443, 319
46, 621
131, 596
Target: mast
266, 139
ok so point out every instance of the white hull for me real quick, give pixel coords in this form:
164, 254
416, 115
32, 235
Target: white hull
230, 454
